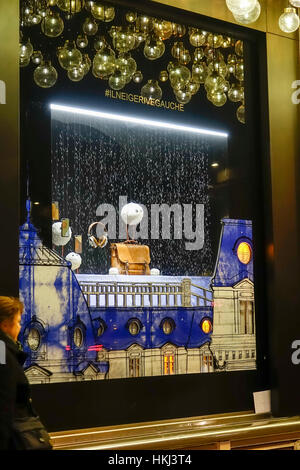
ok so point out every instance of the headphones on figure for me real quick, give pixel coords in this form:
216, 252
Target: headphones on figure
95, 242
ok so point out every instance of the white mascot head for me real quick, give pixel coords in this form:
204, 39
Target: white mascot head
132, 213
57, 238
75, 260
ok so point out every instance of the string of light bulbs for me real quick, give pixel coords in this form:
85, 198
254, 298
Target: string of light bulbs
248, 11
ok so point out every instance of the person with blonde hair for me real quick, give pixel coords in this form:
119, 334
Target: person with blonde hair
19, 422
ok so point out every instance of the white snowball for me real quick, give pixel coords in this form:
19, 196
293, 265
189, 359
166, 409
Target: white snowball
57, 239
132, 213
75, 259
113, 271
155, 272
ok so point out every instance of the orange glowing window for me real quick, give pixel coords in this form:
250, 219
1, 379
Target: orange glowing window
206, 326
168, 365
244, 252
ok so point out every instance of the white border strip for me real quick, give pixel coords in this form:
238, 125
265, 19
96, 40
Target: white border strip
146, 122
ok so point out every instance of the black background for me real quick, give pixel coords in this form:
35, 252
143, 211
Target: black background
88, 404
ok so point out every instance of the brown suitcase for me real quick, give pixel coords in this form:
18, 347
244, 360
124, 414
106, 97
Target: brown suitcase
131, 259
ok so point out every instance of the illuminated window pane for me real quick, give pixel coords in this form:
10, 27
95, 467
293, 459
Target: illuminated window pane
206, 326
134, 328
34, 339
78, 337
244, 252
167, 327
169, 365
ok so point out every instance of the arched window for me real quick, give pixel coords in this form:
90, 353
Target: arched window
34, 339
78, 337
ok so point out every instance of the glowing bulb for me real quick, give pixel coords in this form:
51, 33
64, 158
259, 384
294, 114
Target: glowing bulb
45, 75
240, 6
248, 16
289, 20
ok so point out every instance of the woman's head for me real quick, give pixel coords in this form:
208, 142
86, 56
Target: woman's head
11, 310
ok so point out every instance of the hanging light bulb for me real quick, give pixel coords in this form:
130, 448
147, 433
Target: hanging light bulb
236, 93
127, 66
52, 25
240, 113
104, 63
179, 73
239, 48
69, 56
154, 48
214, 83
193, 87
117, 81
199, 72
82, 41
163, 29
179, 30
197, 38
137, 77
218, 66
217, 98
289, 20
240, 6
45, 75
163, 76
26, 50
131, 16
123, 40
198, 54
295, 3
152, 90
70, 6
249, 16
215, 40
24, 61
90, 27
239, 70
37, 57
183, 96
144, 23
102, 12
185, 57
77, 73
176, 49
100, 43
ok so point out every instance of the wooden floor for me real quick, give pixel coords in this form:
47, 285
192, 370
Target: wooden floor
235, 431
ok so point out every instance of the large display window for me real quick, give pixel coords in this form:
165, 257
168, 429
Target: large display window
141, 259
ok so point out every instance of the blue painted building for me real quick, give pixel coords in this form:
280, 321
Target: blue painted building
103, 327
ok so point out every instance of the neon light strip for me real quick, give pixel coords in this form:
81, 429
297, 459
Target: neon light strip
145, 122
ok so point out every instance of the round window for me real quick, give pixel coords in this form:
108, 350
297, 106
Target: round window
168, 327
206, 326
134, 327
34, 339
78, 337
244, 252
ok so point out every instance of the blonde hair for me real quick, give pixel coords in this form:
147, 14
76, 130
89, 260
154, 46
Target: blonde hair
9, 307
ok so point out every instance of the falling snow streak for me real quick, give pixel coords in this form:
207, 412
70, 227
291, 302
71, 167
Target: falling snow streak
94, 161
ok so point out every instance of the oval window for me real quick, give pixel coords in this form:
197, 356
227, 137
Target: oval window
206, 326
34, 339
134, 327
101, 329
244, 252
168, 327
78, 337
